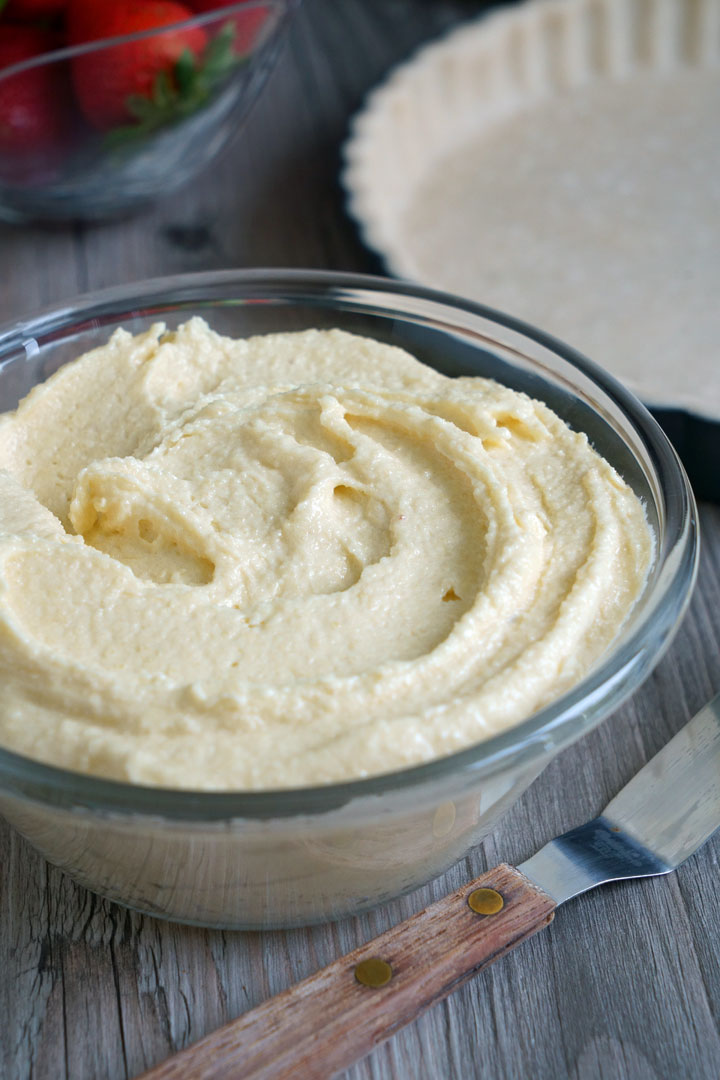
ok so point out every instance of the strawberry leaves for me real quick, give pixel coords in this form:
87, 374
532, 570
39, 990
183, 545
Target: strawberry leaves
181, 90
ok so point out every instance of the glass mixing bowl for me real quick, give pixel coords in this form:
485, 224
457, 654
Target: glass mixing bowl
77, 158
283, 858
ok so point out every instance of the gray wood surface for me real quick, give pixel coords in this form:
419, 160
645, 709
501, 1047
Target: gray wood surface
626, 982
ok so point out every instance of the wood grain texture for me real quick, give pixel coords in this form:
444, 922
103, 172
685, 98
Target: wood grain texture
331, 1019
625, 984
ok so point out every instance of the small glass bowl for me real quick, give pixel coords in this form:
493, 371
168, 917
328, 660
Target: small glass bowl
77, 171
283, 858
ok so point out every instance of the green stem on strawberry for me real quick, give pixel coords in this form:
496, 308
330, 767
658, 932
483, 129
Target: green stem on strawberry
181, 90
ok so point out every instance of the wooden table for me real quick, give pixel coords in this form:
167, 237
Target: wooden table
626, 982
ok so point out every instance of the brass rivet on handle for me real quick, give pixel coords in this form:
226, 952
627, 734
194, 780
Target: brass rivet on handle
373, 972
485, 901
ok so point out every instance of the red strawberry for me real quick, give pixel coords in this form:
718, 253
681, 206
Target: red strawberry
248, 24
34, 107
109, 81
32, 9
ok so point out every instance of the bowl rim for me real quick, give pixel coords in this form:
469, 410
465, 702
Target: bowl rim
200, 19
677, 553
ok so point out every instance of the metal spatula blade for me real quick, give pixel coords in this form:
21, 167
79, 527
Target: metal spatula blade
661, 817
328, 1021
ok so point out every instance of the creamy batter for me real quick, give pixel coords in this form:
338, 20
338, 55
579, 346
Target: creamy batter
293, 559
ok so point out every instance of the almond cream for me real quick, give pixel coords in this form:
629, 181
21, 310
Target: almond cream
293, 559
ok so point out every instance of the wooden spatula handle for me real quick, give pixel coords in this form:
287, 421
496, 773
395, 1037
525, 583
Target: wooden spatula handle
325, 1023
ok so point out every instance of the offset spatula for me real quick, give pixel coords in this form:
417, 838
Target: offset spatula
328, 1021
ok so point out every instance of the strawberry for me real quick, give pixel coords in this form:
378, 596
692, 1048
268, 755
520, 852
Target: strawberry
112, 83
248, 24
34, 106
32, 9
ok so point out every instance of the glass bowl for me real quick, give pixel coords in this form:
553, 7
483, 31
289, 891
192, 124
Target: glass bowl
86, 160
290, 857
